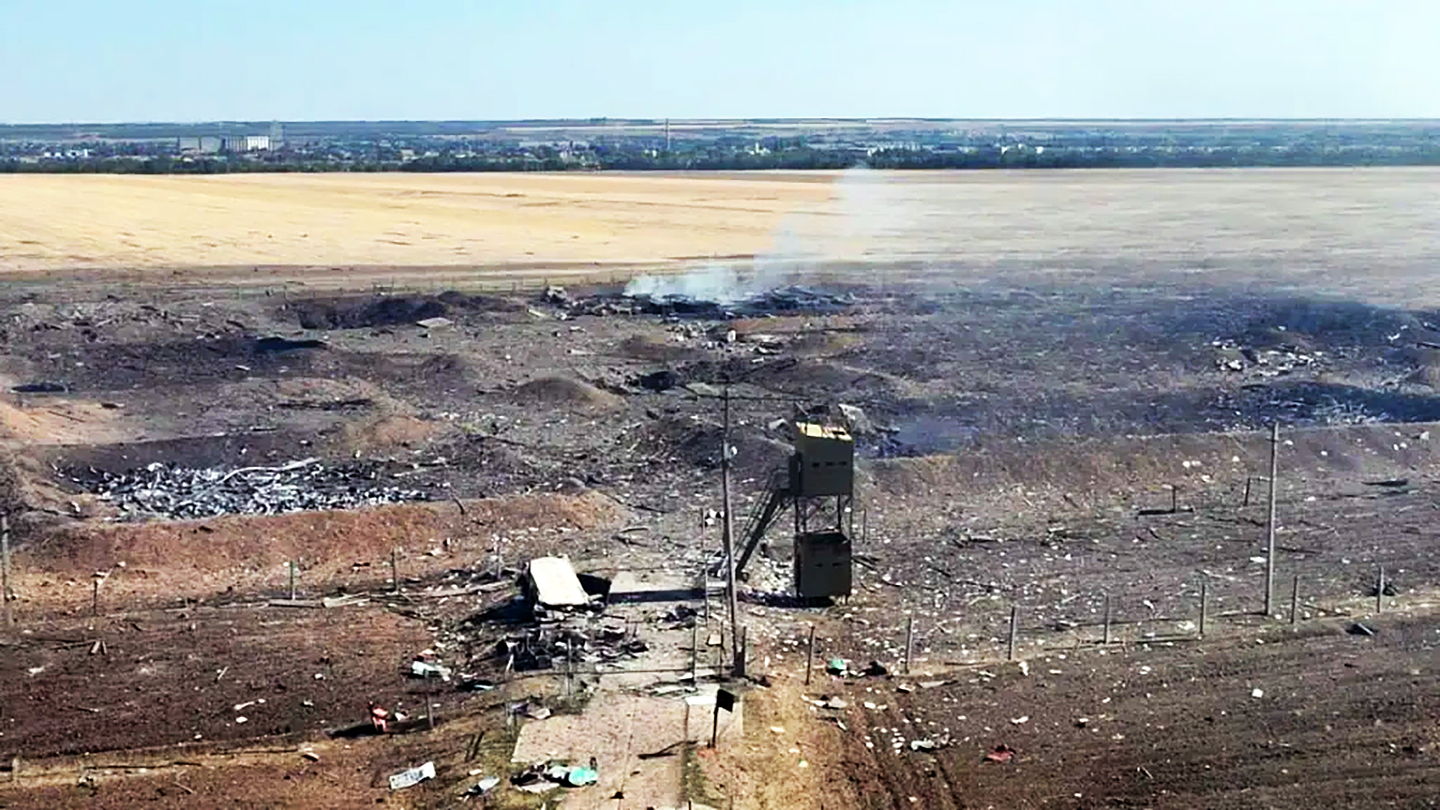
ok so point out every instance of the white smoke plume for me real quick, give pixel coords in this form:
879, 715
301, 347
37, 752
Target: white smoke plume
866, 208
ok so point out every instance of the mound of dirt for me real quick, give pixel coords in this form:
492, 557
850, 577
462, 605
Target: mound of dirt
306, 393
1427, 367
819, 344
333, 549
646, 347
366, 313
432, 372
564, 393
58, 421
14, 490
30, 495
386, 433
391, 310
493, 456
829, 377
697, 444
1105, 471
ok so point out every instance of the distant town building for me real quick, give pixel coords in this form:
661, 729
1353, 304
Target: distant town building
277, 135
202, 144
240, 144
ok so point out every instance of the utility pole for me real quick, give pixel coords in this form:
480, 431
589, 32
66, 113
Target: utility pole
728, 538
1270, 521
5, 567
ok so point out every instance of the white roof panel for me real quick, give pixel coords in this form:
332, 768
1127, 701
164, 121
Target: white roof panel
555, 583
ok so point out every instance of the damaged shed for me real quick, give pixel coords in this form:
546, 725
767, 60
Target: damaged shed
551, 582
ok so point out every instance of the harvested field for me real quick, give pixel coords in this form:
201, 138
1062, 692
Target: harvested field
1367, 233
395, 220
1065, 384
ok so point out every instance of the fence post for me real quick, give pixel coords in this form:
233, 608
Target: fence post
1014, 630
395, 570
1380, 591
810, 655
1270, 521
292, 580
1204, 606
1294, 598
5, 568
910, 642
1107, 620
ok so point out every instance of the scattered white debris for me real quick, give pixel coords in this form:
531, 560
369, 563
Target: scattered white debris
424, 669
412, 777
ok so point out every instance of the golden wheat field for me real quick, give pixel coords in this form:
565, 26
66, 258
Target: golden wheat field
398, 220
1358, 230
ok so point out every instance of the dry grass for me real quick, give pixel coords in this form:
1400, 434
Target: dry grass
1367, 232
52, 222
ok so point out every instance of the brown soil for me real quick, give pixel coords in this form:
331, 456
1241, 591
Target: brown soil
1034, 401
387, 433
1339, 720
562, 393
152, 720
56, 422
238, 555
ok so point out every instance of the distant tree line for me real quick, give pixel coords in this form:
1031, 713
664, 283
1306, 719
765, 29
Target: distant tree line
1238, 157
789, 154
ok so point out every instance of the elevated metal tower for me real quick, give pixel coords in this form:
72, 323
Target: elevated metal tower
820, 486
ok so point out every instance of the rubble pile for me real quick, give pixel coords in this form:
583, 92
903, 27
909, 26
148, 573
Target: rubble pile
1234, 356
547, 647
184, 493
544, 776
794, 298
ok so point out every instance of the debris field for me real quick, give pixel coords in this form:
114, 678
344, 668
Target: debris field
163, 491
1028, 445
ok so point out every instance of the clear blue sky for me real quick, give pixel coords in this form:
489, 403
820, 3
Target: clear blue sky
200, 60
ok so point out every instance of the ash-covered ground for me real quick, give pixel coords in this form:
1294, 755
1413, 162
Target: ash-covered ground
594, 388
1018, 448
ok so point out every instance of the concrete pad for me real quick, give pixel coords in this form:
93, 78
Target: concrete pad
616, 729
654, 586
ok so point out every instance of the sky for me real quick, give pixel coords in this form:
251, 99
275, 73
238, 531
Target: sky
207, 60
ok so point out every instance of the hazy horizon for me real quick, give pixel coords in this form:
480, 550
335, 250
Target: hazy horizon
598, 120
